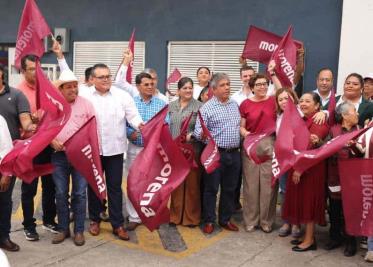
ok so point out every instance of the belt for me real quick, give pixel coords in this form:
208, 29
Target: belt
228, 150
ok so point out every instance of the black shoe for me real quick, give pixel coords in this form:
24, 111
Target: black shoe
350, 249
51, 227
333, 244
295, 242
311, 247
8, 245
31, 235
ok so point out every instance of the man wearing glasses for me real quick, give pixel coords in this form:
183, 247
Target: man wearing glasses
114, 107
28, 87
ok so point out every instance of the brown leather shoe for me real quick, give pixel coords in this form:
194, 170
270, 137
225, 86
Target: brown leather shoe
229, 226
131, 226
79, 239
121, 233
208, 228
8, 245
60, 237
94, 228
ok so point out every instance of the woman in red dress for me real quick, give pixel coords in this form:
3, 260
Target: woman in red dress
305, 195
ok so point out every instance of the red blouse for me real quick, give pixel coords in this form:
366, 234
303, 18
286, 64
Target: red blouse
251, 111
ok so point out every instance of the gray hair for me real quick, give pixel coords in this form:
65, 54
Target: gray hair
217, 77
343, 109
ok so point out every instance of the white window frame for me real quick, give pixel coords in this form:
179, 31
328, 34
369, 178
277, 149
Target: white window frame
219, 56
87, 54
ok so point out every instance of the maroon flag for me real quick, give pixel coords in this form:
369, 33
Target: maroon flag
356, 177
308, 158
292, 135
131, 46
210, 157
155, 173
83, 153
32, 29
260, 44
331, 107
174, 77
285, 57
56, 113
186, 149
265, 127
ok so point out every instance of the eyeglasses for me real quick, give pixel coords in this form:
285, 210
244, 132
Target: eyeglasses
260, 84
104, 77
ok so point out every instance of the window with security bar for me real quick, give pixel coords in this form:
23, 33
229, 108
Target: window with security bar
219, 56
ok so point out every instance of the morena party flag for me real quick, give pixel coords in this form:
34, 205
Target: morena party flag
260, 44
32, 29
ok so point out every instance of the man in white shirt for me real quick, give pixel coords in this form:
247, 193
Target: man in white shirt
246, 72
114, 107
324, 81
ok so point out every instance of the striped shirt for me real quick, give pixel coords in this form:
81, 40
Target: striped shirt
146, 110
178, 115
223, 122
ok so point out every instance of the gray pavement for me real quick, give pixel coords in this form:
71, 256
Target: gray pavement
170, 246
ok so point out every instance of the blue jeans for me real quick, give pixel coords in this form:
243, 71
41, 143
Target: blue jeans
61, 178
370, 243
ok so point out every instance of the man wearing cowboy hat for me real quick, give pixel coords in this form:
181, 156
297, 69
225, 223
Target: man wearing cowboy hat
81, 111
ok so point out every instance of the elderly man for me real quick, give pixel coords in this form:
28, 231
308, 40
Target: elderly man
81, 111
28, 87
222, 118
324, 81
148, 106
15, 109
113, 108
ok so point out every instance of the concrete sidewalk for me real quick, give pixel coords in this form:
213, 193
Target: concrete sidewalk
221, 249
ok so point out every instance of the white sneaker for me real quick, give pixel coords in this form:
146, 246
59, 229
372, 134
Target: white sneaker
369, 256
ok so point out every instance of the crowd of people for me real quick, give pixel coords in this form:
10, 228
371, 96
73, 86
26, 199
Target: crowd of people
122, 109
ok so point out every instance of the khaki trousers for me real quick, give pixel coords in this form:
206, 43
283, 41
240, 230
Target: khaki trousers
259, 198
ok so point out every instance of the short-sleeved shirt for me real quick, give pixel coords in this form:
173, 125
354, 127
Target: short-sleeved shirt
29, 91
250, 110
13, 103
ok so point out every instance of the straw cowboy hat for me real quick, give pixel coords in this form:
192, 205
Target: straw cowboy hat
66, 76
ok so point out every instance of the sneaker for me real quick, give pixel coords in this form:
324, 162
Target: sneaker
50, 227
31, 235
369, 256
284, 230
296, 231
364, 243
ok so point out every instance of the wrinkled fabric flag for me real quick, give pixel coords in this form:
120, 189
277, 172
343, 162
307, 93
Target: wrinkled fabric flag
157, 170
265, 128
186, 148
292, 135
56, 113
285, 57
174, 77
260, 44
131, 46
32, 29
356, 176
82, 151
210, 156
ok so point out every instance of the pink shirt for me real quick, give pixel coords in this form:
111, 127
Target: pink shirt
30, 93
81, 111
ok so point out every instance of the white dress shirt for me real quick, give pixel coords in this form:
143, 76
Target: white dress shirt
197, 90
5, 140
240, 96
113, 109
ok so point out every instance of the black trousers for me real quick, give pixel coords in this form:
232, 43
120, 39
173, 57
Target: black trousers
113, 169
6, 211
226, 176
336, 230
28, 193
